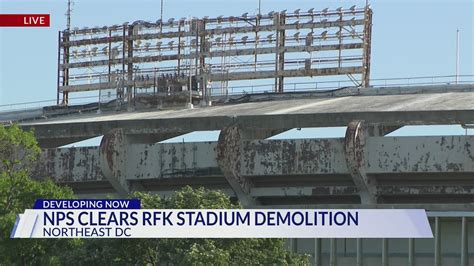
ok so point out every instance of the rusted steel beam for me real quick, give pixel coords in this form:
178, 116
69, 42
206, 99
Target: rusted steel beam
192, 55
367, 45
216, 31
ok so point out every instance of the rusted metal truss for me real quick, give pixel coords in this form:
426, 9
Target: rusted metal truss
264, 46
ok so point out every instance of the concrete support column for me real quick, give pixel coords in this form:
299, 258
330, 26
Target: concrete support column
411, 252
229, 158
385, 257
113, 155
437, 243
355, 154
333, 252
317, 258
359, 252
464, 242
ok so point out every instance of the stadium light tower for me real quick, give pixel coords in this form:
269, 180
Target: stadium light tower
457, 56
68, 14
161, 11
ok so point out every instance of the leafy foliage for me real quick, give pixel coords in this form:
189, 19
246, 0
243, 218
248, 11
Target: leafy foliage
18, 152
186, 251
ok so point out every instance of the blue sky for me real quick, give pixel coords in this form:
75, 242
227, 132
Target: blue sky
410, 38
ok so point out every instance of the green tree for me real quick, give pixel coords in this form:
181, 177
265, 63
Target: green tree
18, 153
185, 251
18, 191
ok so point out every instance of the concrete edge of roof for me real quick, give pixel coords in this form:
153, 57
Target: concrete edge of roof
354, 91
44, 112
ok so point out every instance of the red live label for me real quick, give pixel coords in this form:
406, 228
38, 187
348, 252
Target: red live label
24, 20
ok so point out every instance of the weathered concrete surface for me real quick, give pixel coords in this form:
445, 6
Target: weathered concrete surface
293, 157
230, 151
113, 160
119, 152
363, 167
355, 154
421, 154
380, 107
229, 159
168, 161
70, 165
302, 171
18, 115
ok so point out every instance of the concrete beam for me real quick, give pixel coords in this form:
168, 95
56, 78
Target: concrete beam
172, 161
406, 169
50, 143
450, 207
230, 159
294, 157
379, 130
114, 156
389, 158
72, 131
355, 154
113, 159
421, 154
150, 138
304, 191
69, 165
436, 190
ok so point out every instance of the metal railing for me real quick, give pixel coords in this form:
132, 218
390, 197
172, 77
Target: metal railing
331, 85
43, 103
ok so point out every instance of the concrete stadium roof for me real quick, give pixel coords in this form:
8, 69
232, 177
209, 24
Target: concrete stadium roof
420, 105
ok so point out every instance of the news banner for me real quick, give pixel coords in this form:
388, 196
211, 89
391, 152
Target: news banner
125, 219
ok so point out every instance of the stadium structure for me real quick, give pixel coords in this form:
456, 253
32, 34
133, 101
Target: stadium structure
253, 77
